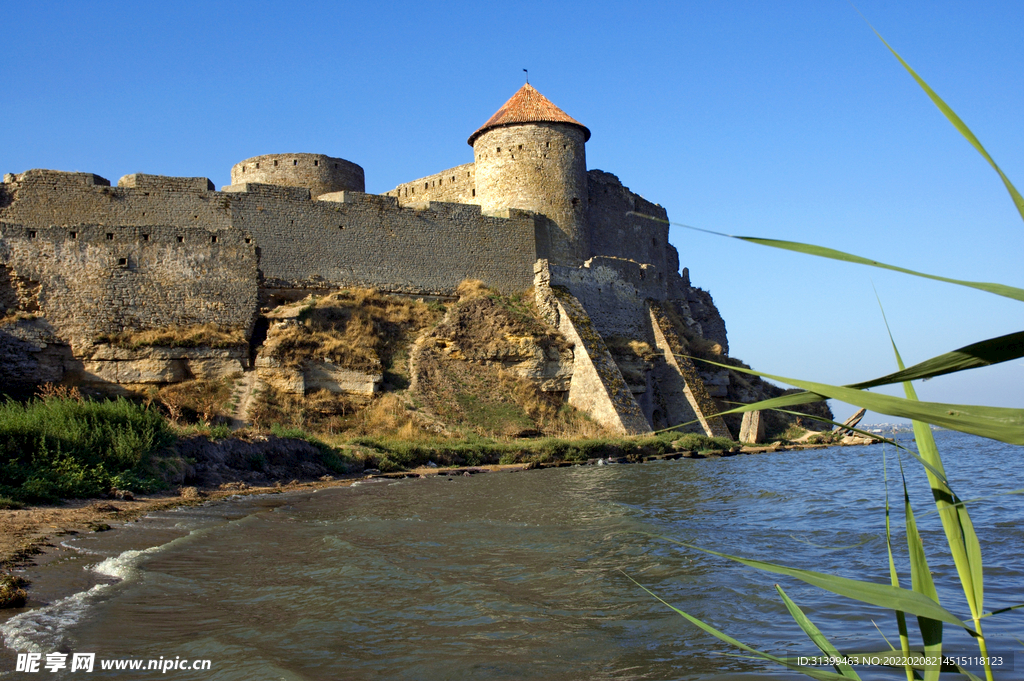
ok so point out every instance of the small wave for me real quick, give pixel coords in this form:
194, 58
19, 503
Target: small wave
42, 629
122, 566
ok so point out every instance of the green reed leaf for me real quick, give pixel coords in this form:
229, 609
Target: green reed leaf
951, 116
882, 595
894, 579
812, 631
956, 523
997, 423
921, 577
999, 611
960, 535
833, 254
820, 674
974, 356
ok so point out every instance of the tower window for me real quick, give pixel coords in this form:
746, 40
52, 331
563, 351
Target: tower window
295, 162
257, 166
316, 163
110, 236
499, 150
122, 262
32, 234
275, 164
213, 239
145, 237
74, 235
474, 192
181, 239
520, 147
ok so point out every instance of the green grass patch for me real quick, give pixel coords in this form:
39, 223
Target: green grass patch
333, 458
56, 448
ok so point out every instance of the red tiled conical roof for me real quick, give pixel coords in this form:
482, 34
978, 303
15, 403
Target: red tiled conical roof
528, 106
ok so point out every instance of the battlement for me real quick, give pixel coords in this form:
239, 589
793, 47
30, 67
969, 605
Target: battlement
455, 185
164, 183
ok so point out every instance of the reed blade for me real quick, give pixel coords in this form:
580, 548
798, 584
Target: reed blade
973, 356
881, 595
997, 423
834, 254
820, 674
921, 578
815, 635
894, 579
951, 116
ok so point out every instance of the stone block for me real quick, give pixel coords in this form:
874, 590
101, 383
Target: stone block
328, 376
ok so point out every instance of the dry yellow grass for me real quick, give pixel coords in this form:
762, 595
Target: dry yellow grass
358, 329
210, 335
203, 400
472, 288
620, 345
321, 411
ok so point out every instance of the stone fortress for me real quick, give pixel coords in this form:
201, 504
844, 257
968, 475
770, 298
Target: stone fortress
81, 259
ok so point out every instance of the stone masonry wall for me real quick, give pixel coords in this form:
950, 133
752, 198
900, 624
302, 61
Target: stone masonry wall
614, 293
617, 230
355, 239
455, 185
347, 238
40, 198
88, 279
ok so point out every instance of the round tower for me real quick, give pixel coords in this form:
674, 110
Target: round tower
319, 173
531, 155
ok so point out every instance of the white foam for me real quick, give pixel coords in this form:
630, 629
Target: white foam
42, 629
123, 565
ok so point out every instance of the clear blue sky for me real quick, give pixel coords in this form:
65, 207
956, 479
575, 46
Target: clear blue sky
781, 119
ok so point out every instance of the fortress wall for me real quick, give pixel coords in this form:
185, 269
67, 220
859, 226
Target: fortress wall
42, 198
455, 185
88, 279
355, 239
616, 232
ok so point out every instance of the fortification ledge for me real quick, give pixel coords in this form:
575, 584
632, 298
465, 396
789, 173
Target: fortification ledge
39, 176
165, 183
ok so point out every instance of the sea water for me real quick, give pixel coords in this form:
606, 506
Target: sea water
525, 575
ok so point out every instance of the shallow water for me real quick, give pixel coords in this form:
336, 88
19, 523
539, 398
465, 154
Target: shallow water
521, 575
